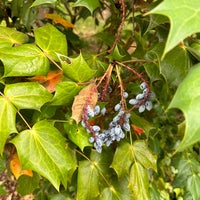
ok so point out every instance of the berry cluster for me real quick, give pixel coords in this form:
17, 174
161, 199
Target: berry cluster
143, 100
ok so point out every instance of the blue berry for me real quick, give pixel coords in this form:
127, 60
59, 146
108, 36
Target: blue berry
145, 91
103, 111
141, 108
83, 123
96, 128
96, 110
126, 127
125, 95
143, 85
140, 96
148, 105
90, 112
117, 107
91, 139
133, 101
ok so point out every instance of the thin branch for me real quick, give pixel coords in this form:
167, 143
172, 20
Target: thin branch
24, 120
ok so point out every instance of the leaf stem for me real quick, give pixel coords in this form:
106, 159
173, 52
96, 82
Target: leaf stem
24, 120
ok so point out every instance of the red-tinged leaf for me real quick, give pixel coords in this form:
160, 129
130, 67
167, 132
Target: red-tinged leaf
87, 95
58, 19
50, 81
16, 169
137, 130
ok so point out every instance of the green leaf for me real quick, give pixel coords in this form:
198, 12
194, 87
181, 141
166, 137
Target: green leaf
65, 92
24, 60
109, 193
141, 122
88, 181
139, 183
184, 20
77, 69
7, 120
27, 95
143, 155
10, 37
193, 185
187, 99
42, 149
26, 184
90, 5
40, 2
77, 134
51, 41
123, 158
173, 67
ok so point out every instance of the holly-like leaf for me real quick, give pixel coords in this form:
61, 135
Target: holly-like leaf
10, 37
50, 81
24, 60
16, 169
184, 20
65, 92
42, 149
139, 183
90, 5
40, 2
58, 19
77, 134
88, 181
51, 41
27, 95
7, 120
77, 69
193, 185
87, 95
143, 155
187, 99
123, 158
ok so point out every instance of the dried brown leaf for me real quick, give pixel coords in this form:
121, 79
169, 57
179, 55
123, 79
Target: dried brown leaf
87, 95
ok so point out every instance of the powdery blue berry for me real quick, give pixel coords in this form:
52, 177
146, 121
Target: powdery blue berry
97, 110
140, 96
117, 107
141, 108
90, 112
145, 91
91, 139
133, 101
103, 111
96, 128
148, 105
143, 85
83, 123
126, 127
125, 95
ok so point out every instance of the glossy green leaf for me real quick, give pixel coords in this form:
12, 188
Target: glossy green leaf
40, 2
123, 158
77, 134
141, 123
51, 41
10, 37
173, 67
7, 120
88, 181
65, 92
187, 99
109, 193
139, 183
27, 95
77, 69
26, 184
90, 5
143, 155
193, 186
43, 150
184, 19
24, 60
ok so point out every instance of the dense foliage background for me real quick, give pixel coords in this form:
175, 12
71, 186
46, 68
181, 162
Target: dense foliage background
57, 56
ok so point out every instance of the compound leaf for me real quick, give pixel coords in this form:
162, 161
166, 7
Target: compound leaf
123, 158
10, 37
77, 69
51, 41
88, 181
27, 95
90, 5
42, 149
65, 92
7, 120
143, 155
184, 20
187, 99
193, 185
139, 183
24, 60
